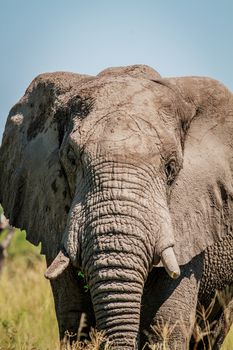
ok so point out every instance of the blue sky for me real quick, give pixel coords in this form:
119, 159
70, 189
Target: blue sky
176, 37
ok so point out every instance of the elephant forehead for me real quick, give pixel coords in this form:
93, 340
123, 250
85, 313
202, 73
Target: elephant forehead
151, 103
129, 116
119, 127
125, 135
120, 93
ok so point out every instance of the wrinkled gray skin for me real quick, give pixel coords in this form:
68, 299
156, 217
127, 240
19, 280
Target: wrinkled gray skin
121, 171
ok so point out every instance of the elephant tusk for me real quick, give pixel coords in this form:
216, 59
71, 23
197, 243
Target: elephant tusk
58, 265
170, 263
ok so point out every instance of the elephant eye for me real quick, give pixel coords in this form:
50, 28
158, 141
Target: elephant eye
71, 156
170, 170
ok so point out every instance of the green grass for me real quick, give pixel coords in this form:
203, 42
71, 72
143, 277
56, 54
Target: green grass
27, 316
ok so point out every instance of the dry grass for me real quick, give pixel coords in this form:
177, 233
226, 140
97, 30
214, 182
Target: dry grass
94, 344
212, 331
27, 317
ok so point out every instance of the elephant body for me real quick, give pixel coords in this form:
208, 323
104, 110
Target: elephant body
127, 177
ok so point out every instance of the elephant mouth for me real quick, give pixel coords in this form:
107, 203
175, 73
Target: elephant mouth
62, 261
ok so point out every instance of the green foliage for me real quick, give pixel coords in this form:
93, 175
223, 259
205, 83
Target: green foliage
81, 274
27, 317
21, 247
83, 280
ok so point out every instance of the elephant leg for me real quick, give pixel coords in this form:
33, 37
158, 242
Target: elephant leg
169, 306
217, 276
73, 307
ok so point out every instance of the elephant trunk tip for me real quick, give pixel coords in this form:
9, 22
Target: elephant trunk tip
59, 264
170, 263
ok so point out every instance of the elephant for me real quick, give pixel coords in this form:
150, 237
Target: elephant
125, 178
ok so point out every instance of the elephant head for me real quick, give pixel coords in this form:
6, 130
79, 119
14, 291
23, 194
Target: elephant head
120, 172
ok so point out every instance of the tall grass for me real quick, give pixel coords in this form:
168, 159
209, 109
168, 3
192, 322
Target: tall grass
27, 317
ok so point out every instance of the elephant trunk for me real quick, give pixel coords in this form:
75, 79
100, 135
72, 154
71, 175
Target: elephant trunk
116, 254
116, 274
116, 295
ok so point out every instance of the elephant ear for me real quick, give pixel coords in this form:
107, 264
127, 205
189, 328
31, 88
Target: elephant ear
201, 202
33, 188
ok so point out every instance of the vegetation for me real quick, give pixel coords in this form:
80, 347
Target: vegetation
27, 317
